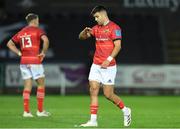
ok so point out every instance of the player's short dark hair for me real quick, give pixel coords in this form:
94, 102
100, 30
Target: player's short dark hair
30, 17
98, 8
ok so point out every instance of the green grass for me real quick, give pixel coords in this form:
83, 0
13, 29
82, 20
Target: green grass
147, 112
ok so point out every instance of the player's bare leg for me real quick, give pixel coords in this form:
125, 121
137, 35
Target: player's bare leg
26, 97
40, 98
94, 90
109, 94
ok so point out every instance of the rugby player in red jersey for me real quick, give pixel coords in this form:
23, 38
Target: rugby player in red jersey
103, 70
29, 39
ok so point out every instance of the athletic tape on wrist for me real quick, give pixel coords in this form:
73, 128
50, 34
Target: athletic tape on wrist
110, 58
19, 53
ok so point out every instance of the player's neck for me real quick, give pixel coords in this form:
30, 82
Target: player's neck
106, 22
32, 25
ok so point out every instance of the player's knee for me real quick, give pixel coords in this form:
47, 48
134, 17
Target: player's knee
93, 90
40, 82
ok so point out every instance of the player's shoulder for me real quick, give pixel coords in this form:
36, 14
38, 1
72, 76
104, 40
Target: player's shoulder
40, 30
22, 29
37, 28
114, 25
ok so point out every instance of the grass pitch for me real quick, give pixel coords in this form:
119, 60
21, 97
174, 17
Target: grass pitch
70, 111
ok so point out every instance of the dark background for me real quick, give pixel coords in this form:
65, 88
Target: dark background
148, 32
151, 30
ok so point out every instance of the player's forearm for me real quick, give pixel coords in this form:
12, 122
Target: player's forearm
13, 48
45, 47
116, 50
45, 44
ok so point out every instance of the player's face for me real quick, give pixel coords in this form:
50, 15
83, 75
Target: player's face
99, 18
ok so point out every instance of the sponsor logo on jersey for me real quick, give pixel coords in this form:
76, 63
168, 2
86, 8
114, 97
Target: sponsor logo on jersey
102, 39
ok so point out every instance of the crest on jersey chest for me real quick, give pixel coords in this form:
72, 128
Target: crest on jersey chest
106, 31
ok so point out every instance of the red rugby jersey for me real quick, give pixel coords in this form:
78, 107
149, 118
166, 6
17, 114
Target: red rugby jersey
105, 36
29, 39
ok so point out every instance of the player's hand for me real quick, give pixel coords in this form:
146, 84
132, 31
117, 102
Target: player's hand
87, 30
41, 56
105, 64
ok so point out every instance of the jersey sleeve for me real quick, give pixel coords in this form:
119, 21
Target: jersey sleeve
15, 38
116, 33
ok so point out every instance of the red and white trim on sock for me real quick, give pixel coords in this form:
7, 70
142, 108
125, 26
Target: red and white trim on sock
40, 98
120, 105
26, 97
93, 110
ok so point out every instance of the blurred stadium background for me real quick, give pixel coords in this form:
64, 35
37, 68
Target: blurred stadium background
148, 64
150, 55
